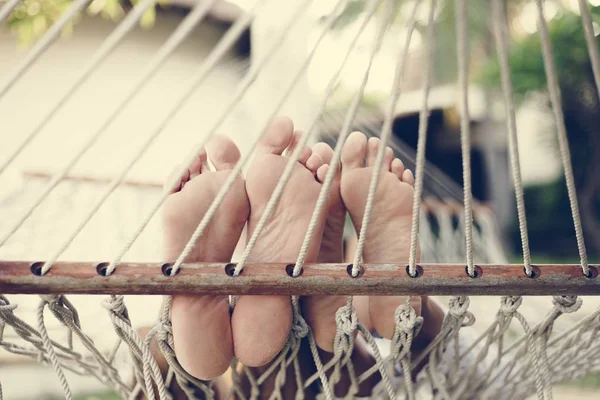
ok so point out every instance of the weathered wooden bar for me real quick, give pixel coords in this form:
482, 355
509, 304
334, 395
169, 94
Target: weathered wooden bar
331, 279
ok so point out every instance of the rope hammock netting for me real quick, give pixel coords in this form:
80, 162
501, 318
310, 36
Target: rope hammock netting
512, 353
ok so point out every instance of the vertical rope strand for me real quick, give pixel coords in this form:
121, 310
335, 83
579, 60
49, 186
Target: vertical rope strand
344, 132
48, 346
43, 44
590, 39
4, 13
500, 35
385, 134
246, 83
422, 140
292, 160
462, 53
206, 68
565, 154
105, 49
182, 31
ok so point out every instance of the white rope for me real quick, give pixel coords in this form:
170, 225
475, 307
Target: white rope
428, 61
563, 142
50, 350
385, 134
344, 132
291, 164
207, 67
5, 12
242, 88
182, 31
105, 49
500, 35
462, 53
42, 45
292, 161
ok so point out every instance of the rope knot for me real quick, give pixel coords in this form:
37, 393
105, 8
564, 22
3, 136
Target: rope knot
49, 298
407, 320
300, 328
510, 304
567, 304
346, 320
114, 304
459, 306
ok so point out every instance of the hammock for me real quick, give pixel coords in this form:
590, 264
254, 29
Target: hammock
514, 354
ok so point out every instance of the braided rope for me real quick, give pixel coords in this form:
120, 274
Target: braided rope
563, 142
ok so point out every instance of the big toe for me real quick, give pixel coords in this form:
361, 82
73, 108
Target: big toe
277, 138
222, 152
354, 151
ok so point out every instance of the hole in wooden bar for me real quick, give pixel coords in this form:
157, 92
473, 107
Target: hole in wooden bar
592, 273
477, 272
361, 271
418, 271
230, 269
36, 268
102, 268
167, 270
289, 269
535, 272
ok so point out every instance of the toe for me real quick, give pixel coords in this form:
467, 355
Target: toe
353, 154
322, 173
408, 177
325, 151
223, 152
397, 167
296, 137
314, 162
277, 138
388, 157
372, 148
305, 155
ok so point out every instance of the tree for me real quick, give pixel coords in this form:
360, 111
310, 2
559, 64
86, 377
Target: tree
581, 108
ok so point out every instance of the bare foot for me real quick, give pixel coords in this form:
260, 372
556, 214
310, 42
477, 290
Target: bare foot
201, 324
261, 324
388, 239
319, 311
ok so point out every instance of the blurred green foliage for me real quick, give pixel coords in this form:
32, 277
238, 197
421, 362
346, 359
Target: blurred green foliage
526, 59
32, 18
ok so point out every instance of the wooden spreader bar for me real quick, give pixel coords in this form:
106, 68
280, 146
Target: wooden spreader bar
330, 279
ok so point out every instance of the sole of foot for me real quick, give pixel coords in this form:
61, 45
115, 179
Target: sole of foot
388, 236
201, 324
261, 324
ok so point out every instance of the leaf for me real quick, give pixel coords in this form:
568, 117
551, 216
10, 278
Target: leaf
149, 18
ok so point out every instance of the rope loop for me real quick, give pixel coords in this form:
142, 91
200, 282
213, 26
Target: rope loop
114, 304
300, 327
510, 304
346, 320
459, 306
567, 304
407, 321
